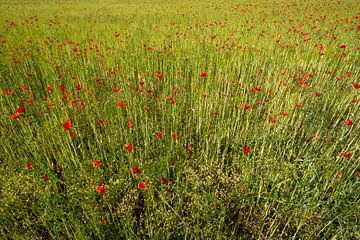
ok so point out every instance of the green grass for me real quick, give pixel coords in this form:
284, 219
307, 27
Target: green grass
295, 63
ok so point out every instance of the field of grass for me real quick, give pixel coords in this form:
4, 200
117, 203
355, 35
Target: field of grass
179, 119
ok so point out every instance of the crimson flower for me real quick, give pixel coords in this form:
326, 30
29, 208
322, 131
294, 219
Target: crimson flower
346, 155
131, 125
246, 107
16, 115
136, 170
348, 122
21, 109
103, 222
203, 74
142, 185
73, 135
121, 104
165, 181
129, 147
174, 136
246, 149
29, 165
100, 190
272, 119
67, 125
96, 163
159, 134
356, 86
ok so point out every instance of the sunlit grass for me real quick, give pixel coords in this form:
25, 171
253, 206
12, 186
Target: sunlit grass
199, 119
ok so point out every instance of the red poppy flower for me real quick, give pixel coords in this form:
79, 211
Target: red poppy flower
25, 87
284, 113
61, 87
116, 89
246, 107
112, 73
346, 155
21, 109
100, 190
142, 185
297, 104
343, 46
357, 174
203, 74
136, 170
121, 104
16, 115
73, 135
317, 94
78, 87
246, 149
101, 120
96, 163
129, 147
29, 165
348, 122
103, 222
356, 86
67, 125
174, 136
159, 134
159, 76
272, 119
49, 88
130, 124
165, 181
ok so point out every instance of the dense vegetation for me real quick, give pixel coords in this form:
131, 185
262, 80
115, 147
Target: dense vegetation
179, 119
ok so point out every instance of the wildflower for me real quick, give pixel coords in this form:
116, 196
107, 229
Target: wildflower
21, 109
29, 165
121, 104
165, 181
129, 147
246, 149
346, 155
136, 170
203, 74
174, 136
67, 125
16, 115
142, 185
348, 122
96, 163
100, 190
246, 107
159, 134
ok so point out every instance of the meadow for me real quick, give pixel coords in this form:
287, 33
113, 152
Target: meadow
179, 119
